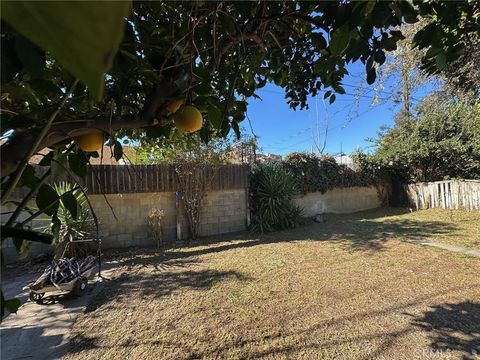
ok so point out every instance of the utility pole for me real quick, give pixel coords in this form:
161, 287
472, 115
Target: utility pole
341, 154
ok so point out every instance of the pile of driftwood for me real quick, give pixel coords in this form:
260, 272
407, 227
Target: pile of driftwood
63, 271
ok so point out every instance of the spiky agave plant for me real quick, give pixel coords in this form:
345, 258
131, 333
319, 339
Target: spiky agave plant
272, 189
71, 228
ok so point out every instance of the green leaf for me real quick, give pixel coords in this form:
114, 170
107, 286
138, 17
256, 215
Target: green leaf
59, 165
340, 40
70, 202
203, 89
23, 247
28, 178
339, 89
241, 106
332, 98
12, 305
244, 8
432, 52
21, 91
47, 159
369, 63
389, 43
82, 35
327, 94
379, 57
158, 131
10, 64
78, 163
117, 150
31, 57
371, 76
47, 199
202, 72
397, 34
368, 7
441, 60
55, 225
215, 117
318, 40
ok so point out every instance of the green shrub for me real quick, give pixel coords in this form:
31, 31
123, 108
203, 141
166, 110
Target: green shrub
272, 189
313, 173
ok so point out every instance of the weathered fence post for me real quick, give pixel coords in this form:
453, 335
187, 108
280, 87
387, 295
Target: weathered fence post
452, 194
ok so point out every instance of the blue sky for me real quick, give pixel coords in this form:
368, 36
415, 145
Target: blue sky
282, 130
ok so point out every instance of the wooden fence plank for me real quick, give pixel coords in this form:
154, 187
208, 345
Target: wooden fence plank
110, 179
453, 194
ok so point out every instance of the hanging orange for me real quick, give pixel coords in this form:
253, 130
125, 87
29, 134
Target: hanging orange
174, 105
92, 141
188, 119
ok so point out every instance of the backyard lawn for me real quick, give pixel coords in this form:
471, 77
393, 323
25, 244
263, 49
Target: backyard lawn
349, 288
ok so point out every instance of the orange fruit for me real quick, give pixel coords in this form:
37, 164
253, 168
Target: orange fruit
188, 119
92, 141
174, 105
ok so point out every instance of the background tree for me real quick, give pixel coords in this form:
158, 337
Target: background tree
464, 74
179, 145
442, 141
403, 66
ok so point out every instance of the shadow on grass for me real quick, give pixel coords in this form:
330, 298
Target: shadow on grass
453, 327
157, 284
152, 285
364, 231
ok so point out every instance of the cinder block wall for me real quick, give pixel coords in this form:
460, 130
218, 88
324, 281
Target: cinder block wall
8, 248
339, 200
224, 211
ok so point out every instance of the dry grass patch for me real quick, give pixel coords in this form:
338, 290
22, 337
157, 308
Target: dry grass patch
463, 226
346, 289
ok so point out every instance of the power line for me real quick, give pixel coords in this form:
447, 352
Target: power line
343, 125
370, 97
301, 132
355, 95
290, 146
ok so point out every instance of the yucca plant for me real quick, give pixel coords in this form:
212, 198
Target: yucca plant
71, 228
272, 189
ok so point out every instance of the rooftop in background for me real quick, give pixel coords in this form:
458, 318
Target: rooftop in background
344, 160
268, 158
106, 156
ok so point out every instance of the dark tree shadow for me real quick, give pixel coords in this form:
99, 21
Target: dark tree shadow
454, 327
363, 231
157, 284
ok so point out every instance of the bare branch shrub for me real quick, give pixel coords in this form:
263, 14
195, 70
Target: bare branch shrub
195, 168
154, 223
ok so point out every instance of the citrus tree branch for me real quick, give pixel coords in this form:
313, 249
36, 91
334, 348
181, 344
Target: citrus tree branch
14, 152
33, 148
41, 211
25, 200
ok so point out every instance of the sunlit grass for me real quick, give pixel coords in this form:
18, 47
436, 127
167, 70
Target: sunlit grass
344, 289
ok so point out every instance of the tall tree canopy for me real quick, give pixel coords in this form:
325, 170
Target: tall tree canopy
441, 140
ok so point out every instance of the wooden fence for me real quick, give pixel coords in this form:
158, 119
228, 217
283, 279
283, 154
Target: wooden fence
114, 179
451, 194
